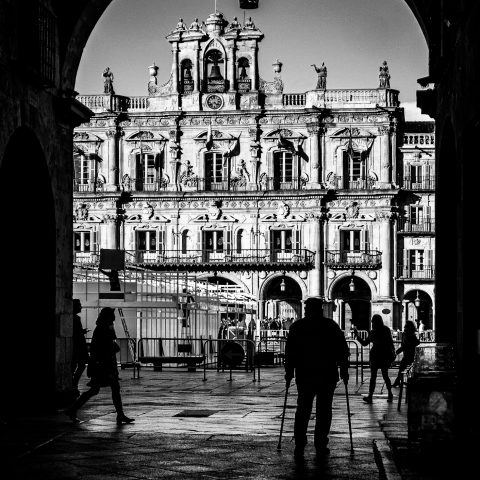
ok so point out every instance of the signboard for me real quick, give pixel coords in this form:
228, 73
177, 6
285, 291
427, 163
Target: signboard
232, 354
111, 259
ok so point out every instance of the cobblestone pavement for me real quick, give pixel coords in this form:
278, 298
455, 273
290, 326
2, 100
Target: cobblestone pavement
189, 428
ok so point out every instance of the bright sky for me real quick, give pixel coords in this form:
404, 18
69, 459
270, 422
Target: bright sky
352, 37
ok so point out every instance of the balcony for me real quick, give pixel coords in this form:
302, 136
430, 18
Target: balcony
205, 260
419, 183
358, 260
140, 185
88, 187
425, 226
419, 272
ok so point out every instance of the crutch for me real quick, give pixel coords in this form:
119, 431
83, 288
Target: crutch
279, 446
349, 419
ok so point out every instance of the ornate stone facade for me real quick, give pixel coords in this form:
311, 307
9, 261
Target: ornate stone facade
332, 176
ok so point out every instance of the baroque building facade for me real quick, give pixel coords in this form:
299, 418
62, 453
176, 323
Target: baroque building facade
219, 173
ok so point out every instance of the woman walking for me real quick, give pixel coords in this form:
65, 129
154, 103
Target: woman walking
408, 344
382, 354
102, 367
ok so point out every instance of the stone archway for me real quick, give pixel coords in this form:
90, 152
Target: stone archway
29, 269
353, 303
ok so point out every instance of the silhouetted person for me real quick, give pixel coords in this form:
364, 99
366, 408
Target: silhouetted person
314, 350
102, 367
408, 344
80, 349
382, 354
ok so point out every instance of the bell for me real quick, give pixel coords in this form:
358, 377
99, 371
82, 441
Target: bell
215, 73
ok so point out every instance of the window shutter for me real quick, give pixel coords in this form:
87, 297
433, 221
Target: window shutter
406, 263
94, 241
366, 241
200, 244
296, 244
336, 242
229, 242
77, 167
161, 241
270, 165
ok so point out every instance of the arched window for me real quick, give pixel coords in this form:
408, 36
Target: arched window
213, 71
216, 174
239, 241
187, 81
146, 172
353, 170
283, 170
185, 241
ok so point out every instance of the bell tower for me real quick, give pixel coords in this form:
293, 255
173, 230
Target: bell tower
214, 66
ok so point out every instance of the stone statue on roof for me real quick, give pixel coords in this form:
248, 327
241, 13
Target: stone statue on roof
322, 76
195, 26
180, 25
234, 24
249, 24
384, 75
108, 81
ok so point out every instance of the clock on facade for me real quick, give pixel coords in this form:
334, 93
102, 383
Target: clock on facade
214, 102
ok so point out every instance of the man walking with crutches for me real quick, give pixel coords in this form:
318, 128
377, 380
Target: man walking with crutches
315, 348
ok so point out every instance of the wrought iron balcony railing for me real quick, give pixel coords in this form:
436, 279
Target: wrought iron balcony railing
419, 183
89, 186
207, 260
346, 259
405, 225
420, 272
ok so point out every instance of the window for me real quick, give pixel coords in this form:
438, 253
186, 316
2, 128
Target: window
147, 240
146, 172
416, 215
282, 170
416, 173
82, 242
215, 171
239, 241
354, 170
417, 259
85, 172
213, 240
185, 241
282, 240
350, 240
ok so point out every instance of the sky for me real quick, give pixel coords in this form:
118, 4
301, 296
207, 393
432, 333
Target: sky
352, 38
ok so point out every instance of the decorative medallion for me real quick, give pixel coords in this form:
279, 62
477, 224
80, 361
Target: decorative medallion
214, 102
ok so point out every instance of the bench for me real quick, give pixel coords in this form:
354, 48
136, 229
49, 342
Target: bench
184, 357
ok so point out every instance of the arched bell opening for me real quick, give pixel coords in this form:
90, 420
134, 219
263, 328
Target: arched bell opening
187, 82
214, 78
244, 82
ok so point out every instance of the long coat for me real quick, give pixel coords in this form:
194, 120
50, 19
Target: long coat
315, 348
382, 352
102, 368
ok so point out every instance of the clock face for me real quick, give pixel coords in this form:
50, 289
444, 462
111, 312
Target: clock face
214, 102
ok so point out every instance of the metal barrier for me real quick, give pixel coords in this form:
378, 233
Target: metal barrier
169, 351
355, 345
215, 346
271, 350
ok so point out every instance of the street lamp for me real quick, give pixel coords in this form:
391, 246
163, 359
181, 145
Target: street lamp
282, 283
351, 286
417, 301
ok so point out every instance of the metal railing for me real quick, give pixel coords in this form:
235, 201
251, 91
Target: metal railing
419, 183
405, 225
247, 258
423, 272
344, 259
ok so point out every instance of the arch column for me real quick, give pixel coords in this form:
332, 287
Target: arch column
405, 312
110, 232
112, 166
314, 131
175, 67
316, 273
385, 280
254, 67
386, 160
393, 155
231, 67
196, 68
